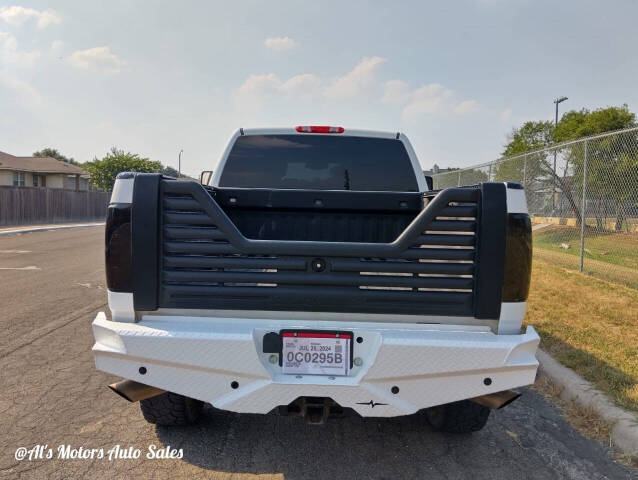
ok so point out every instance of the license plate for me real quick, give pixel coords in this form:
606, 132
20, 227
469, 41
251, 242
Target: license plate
316, 353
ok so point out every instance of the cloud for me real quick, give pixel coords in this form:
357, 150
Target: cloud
466, 107
18, 15
259, 88
304, 86
280, 44
430, 98
356, 81
9, 52
359, 83
97, 59
506, 114
395, 92
28, 95
56, 48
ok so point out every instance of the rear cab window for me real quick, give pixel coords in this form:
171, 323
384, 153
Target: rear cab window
319, 162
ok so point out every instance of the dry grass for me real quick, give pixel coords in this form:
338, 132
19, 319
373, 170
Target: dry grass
585, 420
589, 325
616, 248
603, 270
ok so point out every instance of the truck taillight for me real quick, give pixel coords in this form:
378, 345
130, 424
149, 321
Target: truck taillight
518, 257
118, 248
319, 129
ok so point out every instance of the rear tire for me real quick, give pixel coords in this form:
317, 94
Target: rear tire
171, 409
458, 417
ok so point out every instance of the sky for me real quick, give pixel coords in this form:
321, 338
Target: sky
156, 77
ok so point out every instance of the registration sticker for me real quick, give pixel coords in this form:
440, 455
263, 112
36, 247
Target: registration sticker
316, 353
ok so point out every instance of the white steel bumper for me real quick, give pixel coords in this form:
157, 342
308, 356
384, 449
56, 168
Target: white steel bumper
201, 357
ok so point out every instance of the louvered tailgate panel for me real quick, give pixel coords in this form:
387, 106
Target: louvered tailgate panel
200, 268
320, 226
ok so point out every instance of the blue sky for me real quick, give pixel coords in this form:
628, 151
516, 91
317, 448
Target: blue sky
157, 77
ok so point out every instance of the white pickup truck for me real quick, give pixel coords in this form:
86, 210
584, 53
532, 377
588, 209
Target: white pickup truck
317, 270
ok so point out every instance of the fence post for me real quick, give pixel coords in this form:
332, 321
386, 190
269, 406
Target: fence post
489, 173
459, 182
525, 171
583, 218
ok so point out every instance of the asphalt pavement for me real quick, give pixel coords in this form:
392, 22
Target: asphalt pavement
51, 286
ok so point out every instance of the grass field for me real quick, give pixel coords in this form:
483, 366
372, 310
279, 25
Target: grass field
609, 256
589, 325
612, 273
615, 248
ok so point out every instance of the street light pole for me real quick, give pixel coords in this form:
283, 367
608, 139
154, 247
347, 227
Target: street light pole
179, 164
556, 101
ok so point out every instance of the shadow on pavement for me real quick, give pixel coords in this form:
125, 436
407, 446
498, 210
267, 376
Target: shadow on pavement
528, 439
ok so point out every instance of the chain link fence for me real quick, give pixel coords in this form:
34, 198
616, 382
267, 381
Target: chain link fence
583, 199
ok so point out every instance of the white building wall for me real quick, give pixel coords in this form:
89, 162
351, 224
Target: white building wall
6, 177
55, 181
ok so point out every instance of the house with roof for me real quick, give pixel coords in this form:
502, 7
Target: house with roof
436, 170
41, 172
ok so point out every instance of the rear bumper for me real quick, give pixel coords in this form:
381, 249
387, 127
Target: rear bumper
201, 357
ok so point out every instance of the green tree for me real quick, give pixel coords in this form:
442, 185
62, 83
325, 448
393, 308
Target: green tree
472, 176
103, 171
526, 169
52, 152
530, 136
612, 166
613, 157
583, 123
528, 161
170, 172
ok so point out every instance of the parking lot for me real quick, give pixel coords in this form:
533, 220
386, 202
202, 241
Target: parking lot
51, 286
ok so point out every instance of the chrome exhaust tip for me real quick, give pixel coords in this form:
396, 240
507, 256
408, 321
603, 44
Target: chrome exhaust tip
497, 400
134, 391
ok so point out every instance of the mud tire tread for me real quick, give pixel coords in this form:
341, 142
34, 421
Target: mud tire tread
171, 409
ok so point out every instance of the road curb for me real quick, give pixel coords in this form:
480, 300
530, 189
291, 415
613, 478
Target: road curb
48, 227
624, 431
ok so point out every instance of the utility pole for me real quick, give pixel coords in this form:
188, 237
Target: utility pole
179, 164
556, 101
